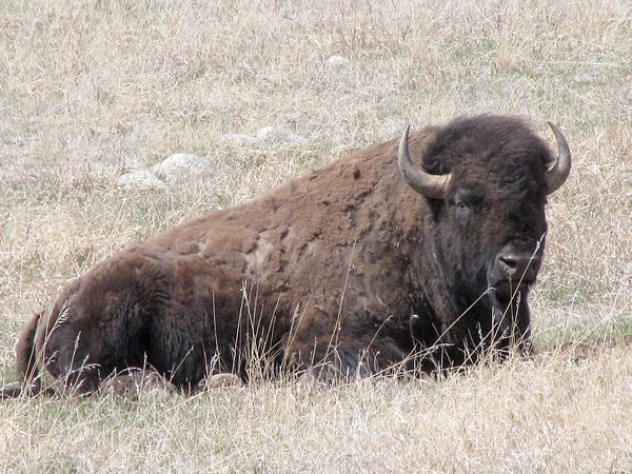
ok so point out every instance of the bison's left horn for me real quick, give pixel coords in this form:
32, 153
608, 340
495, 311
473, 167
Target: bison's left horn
557, 175
429, 185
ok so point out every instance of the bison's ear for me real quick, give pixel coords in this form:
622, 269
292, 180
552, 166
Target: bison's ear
558, 174
429, 185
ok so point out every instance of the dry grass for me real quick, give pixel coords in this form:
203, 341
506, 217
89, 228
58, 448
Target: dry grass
92, 89
547, 415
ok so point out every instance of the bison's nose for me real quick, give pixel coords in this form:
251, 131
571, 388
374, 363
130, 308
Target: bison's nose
517, 266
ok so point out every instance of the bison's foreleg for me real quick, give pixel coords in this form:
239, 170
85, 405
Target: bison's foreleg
351, 357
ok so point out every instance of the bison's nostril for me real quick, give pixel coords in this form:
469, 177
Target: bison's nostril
516, 266
509, 261
510, 264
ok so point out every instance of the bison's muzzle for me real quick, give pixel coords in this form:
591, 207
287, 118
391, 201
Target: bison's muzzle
515, 267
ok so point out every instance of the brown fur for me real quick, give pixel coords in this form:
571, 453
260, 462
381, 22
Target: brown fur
336, 267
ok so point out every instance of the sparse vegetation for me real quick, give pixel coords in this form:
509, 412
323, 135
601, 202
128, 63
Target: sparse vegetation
92, 89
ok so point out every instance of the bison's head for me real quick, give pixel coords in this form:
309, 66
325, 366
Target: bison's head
486, 181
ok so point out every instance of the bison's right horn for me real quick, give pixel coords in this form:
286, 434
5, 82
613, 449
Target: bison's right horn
429, 185
557, 175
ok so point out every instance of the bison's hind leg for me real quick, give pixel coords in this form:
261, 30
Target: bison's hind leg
27, 358
28, 362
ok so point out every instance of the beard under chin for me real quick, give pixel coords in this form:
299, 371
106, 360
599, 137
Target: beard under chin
511, 318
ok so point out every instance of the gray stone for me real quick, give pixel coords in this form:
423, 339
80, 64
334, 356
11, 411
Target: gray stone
265, 137
141, 180
181, 166
338, 60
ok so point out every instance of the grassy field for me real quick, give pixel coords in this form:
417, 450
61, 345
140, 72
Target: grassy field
91, 90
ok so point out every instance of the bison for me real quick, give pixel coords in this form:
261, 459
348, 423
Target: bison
409, 256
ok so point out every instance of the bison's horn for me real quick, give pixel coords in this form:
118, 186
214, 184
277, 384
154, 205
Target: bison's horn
429, 185
557, 175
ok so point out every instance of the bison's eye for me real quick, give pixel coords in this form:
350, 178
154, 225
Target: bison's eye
464, 202
462, 211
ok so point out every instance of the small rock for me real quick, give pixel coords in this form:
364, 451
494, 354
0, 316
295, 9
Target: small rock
583, 78
141, 180
266, 137
220, 381
273, 136
338, 61
180, 165
239, 139
138, 384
